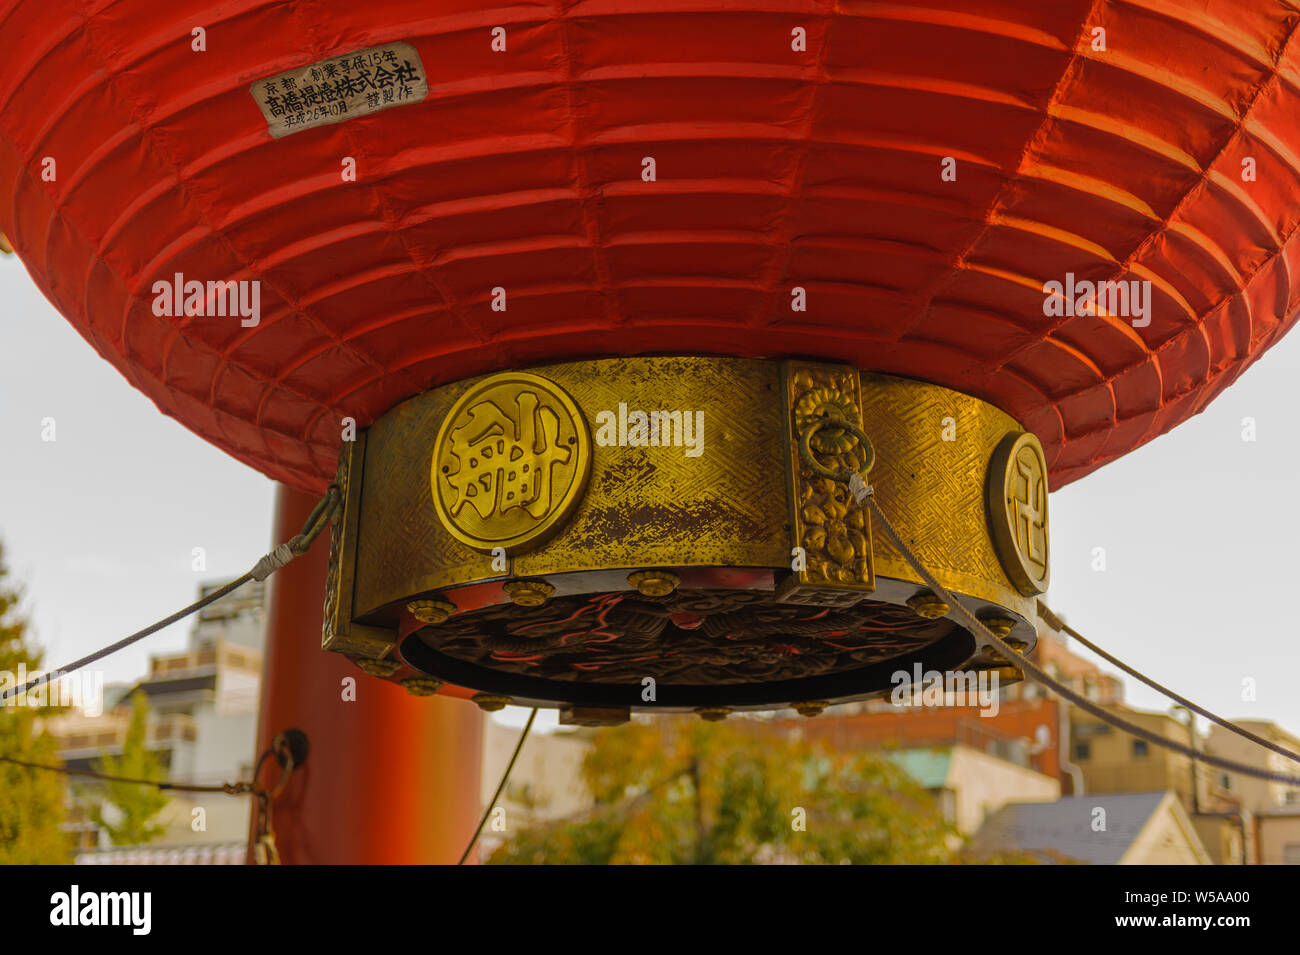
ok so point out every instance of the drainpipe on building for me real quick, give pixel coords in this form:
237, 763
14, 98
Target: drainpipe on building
1063, 732
1191, 732
1240, 818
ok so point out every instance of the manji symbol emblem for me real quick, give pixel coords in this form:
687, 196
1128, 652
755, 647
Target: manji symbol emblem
1017, 507
510, 463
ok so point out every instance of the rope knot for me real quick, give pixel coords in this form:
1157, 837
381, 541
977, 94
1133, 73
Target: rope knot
859, 488
273, 561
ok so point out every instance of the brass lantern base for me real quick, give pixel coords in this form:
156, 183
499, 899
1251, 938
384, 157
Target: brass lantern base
675, 534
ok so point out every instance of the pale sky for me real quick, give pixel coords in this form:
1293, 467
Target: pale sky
99, 525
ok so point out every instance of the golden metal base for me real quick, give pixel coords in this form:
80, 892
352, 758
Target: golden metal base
670, 533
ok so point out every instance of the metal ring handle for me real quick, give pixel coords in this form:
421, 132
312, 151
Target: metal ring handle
805, 447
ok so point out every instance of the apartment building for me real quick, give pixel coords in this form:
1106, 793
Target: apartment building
202, 725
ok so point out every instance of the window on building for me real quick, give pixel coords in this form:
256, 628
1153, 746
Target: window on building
1291, 853
1225, 781
1082, 751
1139, 747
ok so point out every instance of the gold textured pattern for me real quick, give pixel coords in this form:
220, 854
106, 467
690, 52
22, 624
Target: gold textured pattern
403, 550
1017, 503
933, 448
660, 506
645, 506
734, 496
510, 463
833, 530
339, 632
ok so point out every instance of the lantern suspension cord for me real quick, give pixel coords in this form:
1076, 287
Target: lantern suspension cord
500, 786
1052, 620
865, 494
230, 789
297, 545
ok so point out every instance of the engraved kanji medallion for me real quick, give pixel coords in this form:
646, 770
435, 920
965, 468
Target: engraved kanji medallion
510, 463
1017, 508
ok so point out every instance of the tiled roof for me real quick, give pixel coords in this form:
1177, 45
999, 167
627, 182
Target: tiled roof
210, 853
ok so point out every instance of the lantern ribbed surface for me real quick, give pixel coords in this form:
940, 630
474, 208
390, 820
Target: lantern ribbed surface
1171, 156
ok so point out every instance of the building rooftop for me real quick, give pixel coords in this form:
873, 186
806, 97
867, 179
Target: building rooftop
210, 853
1065, 827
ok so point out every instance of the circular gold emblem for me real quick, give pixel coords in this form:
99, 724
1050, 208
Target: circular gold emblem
510, 463
1016, 496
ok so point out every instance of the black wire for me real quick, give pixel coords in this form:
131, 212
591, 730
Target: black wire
232, 789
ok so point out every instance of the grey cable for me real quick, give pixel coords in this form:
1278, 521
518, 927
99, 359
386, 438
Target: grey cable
500, 786
1052, 620
865, 494
267, 565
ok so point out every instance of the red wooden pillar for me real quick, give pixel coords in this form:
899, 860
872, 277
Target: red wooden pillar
391, 778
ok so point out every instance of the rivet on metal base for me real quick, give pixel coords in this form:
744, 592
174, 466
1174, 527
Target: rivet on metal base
713, 713
378, 667
1009, 674
431, 611
528, 593
490, 703
999, 626
928, 605
419, 686
654, 583
810, 708
594, 715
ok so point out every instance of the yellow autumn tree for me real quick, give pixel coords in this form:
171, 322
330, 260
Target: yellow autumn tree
684, 791
32, 801
135, 806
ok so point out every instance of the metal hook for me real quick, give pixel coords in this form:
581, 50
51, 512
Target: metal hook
829, 421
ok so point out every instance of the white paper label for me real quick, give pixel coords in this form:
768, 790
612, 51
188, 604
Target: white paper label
342, 87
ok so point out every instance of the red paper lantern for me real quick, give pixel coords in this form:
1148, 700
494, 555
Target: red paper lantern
795, 145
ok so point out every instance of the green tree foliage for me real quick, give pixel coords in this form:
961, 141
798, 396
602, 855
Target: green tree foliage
136, 805
32, 801
684, 791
